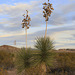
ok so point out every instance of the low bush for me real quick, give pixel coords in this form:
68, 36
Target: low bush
6, 60
3, 72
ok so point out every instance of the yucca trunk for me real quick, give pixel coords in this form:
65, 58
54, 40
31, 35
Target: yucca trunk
43, 66
46, 30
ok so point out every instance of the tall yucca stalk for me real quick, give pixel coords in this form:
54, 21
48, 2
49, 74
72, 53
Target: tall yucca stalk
44, 57
26, 24
47, 12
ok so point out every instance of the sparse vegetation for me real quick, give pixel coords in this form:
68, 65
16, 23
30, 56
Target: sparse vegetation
63, 63
3, 72
43, 61
23, 60
6, 60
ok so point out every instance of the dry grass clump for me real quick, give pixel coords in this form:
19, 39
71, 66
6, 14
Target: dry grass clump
3, 72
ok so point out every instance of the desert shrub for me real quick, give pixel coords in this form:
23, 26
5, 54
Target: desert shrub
66, 60
3, 72
64, 64
45, 55
23, 60
6, 60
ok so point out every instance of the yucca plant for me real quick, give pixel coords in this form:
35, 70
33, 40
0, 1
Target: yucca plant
44, 57
26, 24
47, 13
23, 60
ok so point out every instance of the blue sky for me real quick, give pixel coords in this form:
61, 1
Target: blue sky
61, 24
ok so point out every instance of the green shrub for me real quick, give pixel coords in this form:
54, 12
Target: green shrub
23, 60
45, 56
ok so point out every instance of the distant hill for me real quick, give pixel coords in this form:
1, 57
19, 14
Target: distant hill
9, 48
66, 50
14, 49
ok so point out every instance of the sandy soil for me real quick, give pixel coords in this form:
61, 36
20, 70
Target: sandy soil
12, 72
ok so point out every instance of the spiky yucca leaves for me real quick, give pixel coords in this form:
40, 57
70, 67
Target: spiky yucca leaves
45, 46
23, 60
44, 57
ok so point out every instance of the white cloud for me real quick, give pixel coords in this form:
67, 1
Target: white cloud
10, 24
62, 37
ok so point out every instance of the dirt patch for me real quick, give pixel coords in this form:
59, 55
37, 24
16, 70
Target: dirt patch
12, 72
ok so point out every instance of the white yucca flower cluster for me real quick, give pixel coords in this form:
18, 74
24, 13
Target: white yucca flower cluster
26, 21
47, 10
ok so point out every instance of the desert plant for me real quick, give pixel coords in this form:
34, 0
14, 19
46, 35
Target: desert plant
26, 24
66, 60
47, 12
23, 60
6, 60
44, 57
64, 64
